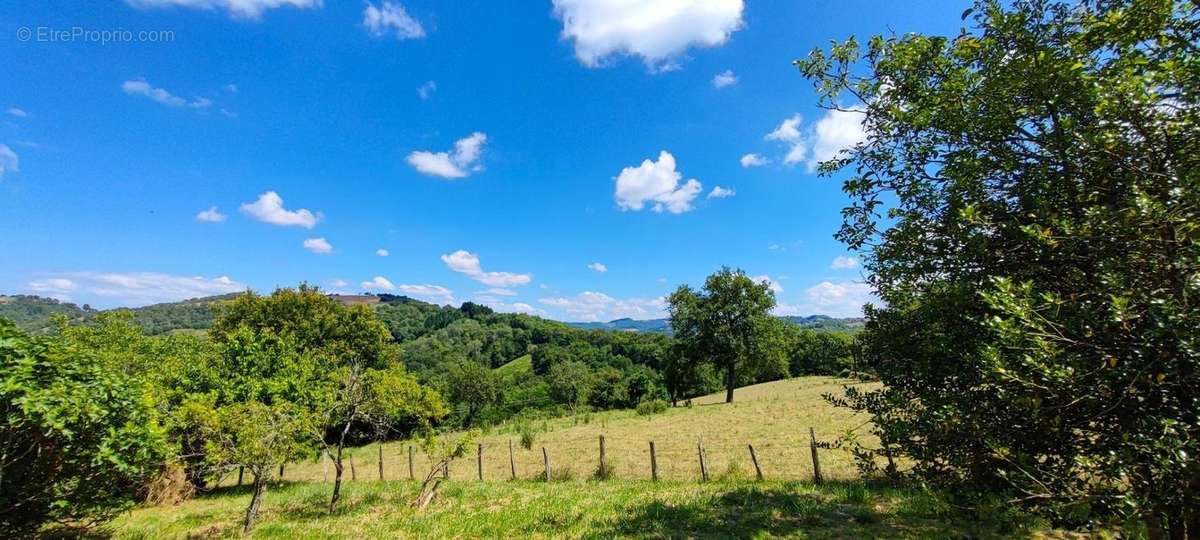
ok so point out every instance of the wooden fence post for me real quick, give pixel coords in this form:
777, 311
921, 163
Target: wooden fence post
816, 461
512, 463
410, 463
703, 461
241, 471
479, 460
754, 458
446, 470
353, 471
546, 458
653, 463
381, 460
603, 462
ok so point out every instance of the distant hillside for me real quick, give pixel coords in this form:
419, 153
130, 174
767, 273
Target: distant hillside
815, 322
34, 313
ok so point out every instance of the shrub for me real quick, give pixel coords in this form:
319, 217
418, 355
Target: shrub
653, 406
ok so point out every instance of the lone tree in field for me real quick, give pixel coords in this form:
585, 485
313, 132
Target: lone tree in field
258, 437
725, 323
1028, 194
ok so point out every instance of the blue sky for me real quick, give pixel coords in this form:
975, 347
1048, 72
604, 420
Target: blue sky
556, 157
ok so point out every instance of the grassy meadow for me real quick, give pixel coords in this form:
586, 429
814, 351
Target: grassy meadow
774, 417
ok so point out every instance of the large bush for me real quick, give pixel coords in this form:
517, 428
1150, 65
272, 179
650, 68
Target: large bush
78, 439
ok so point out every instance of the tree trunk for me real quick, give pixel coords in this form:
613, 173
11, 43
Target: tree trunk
730, 382
337, 480
260, 488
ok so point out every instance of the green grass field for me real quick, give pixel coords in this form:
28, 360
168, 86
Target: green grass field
774, 417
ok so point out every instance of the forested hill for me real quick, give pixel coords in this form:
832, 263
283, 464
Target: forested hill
815, 322
34, 314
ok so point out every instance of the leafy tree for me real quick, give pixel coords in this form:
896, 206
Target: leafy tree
1029, 196
474, 387
570, 382
78, 440
726, 323
258, 437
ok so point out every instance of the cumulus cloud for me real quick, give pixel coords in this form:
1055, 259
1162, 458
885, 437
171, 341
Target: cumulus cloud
459, 164
378, 283
753, 160
139, 87
320, 246
656, 182
436, 293
391, 18
837, 131
719, 192
599, 267
269, 209
339, 283
238, 9
134, 288
465, 262
10, 162
724, 78
835, 299
658, 31
597, 306
212, 215
425, 91
788, 132
499, 291
19, 113
843, 262
774, 285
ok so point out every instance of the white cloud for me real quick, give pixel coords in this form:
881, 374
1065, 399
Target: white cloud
465, 262
837, 131
10, 162
835, 299
212, 215
19, 113
843, 262
774, 285
788, 132
136, 288
446, 165
391, 18
269, 209
658, 31
599, 267
498, 291
378, 283
436, 293
382, 252
139, 87
425, 91
231, 88
723, 79
238, 9
320, 246
597, 306
753, 160
339, 284
656, 182
719, 192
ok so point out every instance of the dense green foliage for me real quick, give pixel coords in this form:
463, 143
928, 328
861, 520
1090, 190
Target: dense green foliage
1029, 196
78, 439
728, 324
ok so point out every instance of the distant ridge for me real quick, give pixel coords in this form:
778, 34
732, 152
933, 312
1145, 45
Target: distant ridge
663, 326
